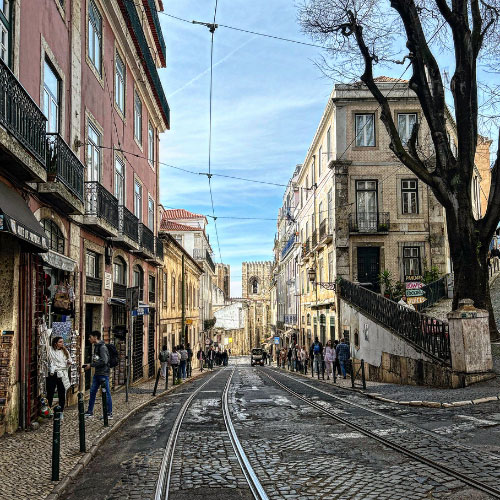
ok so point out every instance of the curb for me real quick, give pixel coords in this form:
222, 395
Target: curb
85, 459
426, 404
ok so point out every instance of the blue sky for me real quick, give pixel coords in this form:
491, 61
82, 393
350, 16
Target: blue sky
268, 98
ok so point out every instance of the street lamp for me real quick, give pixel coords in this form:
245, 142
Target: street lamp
311, 274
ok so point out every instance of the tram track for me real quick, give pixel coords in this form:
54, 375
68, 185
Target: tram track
164, 476
466, 479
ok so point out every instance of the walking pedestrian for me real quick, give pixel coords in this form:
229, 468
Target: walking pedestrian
175, 359
337, 363
100, 363
200, 356
294, 358
343, 355
184, 357
57, 376
330, 356
304, 359
224, 357
264, 356
211, 358
164, 357
189, 365
317, 350
289, 357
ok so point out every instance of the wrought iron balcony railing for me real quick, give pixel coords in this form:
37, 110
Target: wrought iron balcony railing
21, 116
63, 165
314, 239
99, 202
147, 238
200, 254
288, 245
369, 222
93, 286
325, 229
152, 296
119, 291
159, 248
128, 223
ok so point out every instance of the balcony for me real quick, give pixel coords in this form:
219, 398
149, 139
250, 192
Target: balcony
128, 229
119, 291
306, 248
101, 210
369, 222
314, 240
146, 241
22, 131
64, 186
159, 250
93, 286
290, 319
199, 254
152, 297
288, 245
325, 232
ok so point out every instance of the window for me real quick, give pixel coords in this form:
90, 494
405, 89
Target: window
120, 75
332, 327
330, 266
4, 30
152, 288
366, 205
411, 261
409, 196
138, 200
92, 264
151, 144
329, 142
321, 214
330, 210
365, 130
178, 238
320, 157
95, 36
137, 117
308, 319
139, 280
93, 154
165, 288
254, 285
119, 180
151, 213
54, 234
320, 268
119, 275
406, 121
173, 291
51, 96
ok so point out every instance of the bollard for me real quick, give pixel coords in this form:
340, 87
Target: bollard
104, 404
56, 443
81, 422
363, 379
351, 368
156, 381
166, 377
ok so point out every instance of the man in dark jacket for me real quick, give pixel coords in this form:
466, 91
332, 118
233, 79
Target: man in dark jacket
317, 353
343, 355
100, 363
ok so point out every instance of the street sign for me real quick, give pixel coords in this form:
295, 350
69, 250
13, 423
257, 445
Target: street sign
230, 340
277, 340
141, 311
413, 277
207, 342
413, 285
415, 300
189, 322
415, 293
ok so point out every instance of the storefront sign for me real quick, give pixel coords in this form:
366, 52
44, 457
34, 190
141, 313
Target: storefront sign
415, 300
413, 285
277, 340
141, 311
59, 261
189, 322
413, 277
25, 234
415, 293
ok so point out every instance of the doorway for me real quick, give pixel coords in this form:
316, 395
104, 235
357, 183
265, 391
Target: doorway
369, 267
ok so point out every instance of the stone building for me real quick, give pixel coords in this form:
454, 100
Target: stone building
78, 216
255, 284
170, 304
223, 277
230, 328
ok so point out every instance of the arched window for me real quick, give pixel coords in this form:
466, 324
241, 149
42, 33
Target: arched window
254, 285
119, 271
54, 234
139, 280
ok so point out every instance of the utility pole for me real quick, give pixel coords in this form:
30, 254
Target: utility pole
183, 334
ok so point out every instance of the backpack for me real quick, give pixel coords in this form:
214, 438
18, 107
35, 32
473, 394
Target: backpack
184, 355
317, 349
164, 356
113, 355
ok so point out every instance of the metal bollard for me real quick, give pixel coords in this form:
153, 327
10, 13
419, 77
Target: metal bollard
351, 367
156, 381
81, 422
363, 379
166, 377
56, 443
104, 404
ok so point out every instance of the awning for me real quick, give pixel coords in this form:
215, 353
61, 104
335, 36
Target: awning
16, 218
59, 261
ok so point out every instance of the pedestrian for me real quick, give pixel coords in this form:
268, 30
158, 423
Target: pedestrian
175, 359
189, 366
164, 357
182, 365
304, 359
403, 302
264, 356
100, 363
200, 356
317, 350
289, 357
294, 358
330, 356
211, 358
337, 363
343, 355
57, 376
224, 357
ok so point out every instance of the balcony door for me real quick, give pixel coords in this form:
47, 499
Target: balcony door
369, 267
366, 205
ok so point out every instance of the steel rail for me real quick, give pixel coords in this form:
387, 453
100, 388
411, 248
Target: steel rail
252, 480
163, 483
416, 456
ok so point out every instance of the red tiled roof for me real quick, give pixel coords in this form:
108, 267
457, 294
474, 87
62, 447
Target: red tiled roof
168, 225
180, 213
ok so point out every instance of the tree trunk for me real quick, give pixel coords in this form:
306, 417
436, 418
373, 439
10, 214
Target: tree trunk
469, 256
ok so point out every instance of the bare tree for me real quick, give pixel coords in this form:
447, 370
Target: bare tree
361, 34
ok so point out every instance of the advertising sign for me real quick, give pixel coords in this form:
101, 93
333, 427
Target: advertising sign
277, 340
412, 285
415, 300
415, 293
413, 277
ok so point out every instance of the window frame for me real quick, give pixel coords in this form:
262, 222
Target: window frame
92, 263
94, 33
329, 142
137, 118
118, 261
151, 213
6, 31
94, 151
138, 206
173, 290
52, 230
320, 154
409, 191
165, 288
408, 132
412, 257
356, 134
51, 98
151, 144
120, 78
119, 179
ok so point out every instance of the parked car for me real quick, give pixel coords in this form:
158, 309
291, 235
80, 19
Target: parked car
257, 357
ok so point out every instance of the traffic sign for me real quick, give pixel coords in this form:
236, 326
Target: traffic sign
415, 293
207, 342
277, 340
415, 300
230, 340
413, 285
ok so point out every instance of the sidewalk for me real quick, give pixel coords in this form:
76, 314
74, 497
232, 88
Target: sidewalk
26, 456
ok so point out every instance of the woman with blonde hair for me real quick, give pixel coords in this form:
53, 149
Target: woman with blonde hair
59, 361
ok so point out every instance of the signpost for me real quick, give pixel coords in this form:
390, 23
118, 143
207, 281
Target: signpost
415, 300
414, 293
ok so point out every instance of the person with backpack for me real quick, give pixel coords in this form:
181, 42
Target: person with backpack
189, 366
164, 358
174, 363
200, 356
101, 364
317, 350
343, 355
184, 357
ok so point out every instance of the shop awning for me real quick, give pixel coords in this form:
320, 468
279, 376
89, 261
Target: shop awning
16, 218
59, 261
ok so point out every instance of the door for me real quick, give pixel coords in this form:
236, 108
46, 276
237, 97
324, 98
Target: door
138, 348
366, 205
369, 267
151, 343
87, 355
